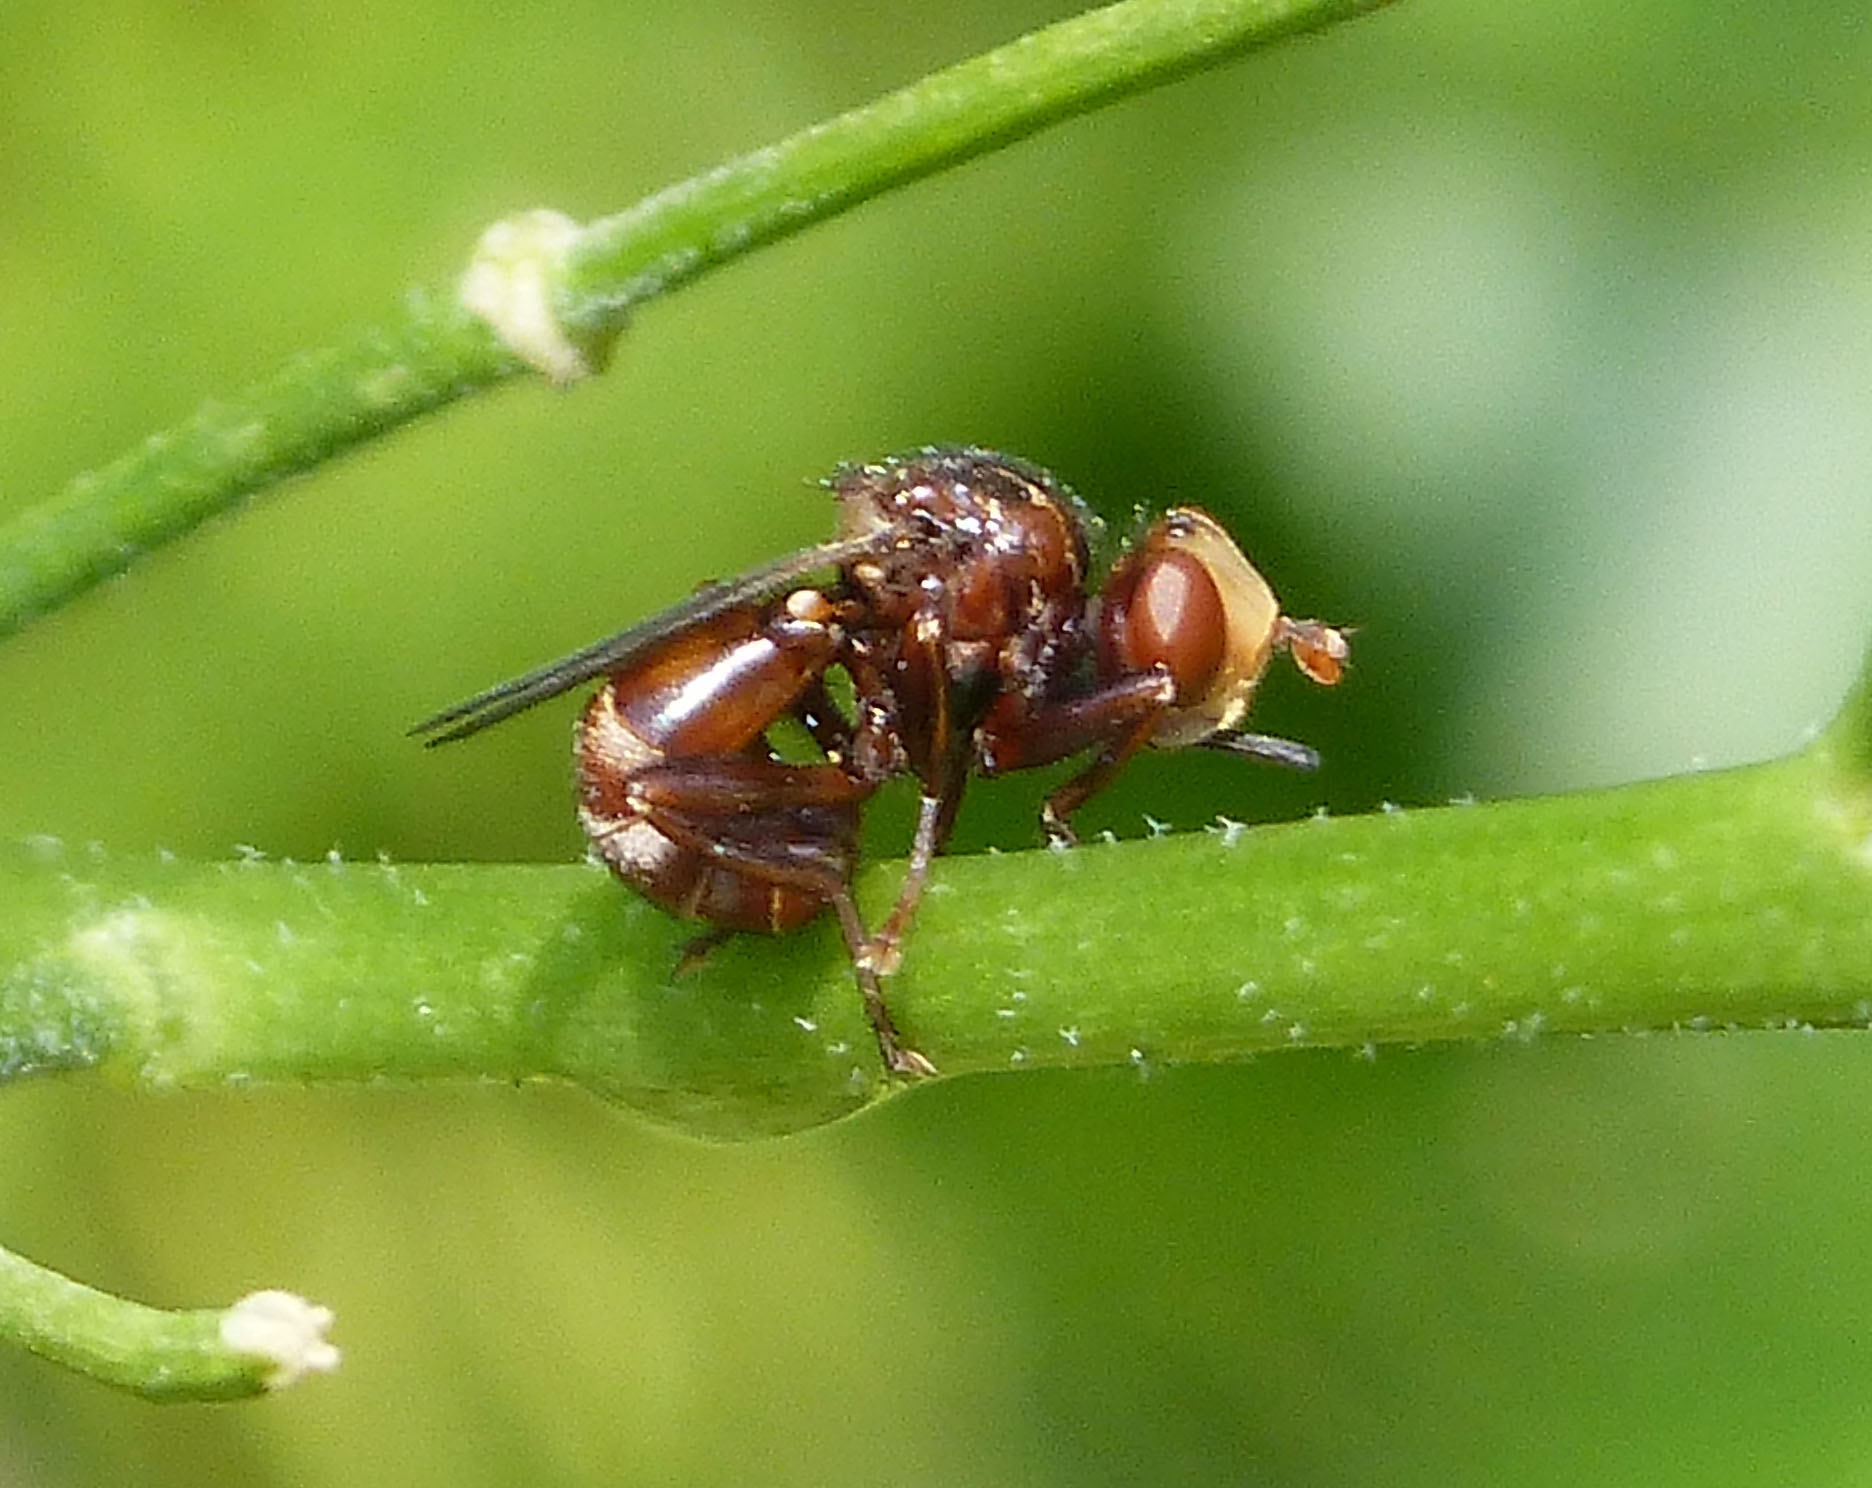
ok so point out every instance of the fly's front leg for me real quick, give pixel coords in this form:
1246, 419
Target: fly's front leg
1119, 716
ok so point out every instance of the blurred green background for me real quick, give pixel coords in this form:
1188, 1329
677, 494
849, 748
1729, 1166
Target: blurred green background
1535, 340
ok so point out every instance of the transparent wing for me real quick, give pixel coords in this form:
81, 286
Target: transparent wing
520, 693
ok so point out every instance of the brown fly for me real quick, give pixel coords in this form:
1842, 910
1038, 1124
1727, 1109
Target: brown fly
960, 606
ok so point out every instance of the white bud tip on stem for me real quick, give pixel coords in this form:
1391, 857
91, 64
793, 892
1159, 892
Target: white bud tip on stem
286, 1331
509, 284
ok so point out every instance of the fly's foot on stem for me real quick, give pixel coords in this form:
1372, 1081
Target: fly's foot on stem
1059, 832
897, 1059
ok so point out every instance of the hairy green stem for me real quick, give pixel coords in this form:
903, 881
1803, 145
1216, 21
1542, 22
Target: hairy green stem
438, 350
1737, 899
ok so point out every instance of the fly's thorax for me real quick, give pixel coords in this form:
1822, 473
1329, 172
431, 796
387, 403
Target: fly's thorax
988, 541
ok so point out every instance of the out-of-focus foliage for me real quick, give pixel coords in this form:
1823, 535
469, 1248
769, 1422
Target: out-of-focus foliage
1534, 340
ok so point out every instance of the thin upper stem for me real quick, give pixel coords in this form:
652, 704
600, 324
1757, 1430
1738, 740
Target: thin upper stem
436, 349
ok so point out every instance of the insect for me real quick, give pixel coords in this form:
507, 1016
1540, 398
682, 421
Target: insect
960, 607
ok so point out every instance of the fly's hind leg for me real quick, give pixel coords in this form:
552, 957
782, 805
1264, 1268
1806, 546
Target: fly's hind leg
700, 806
697, 950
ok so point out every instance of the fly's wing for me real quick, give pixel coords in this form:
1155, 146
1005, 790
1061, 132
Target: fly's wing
508, 698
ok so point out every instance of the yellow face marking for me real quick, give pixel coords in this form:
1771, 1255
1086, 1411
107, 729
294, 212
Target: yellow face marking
1252, 617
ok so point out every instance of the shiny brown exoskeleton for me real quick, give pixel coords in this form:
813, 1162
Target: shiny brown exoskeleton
961, 613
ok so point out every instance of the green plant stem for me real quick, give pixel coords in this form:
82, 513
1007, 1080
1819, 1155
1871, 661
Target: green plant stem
436, 351
1738, 899
948, 118
160, 1355
1735, 900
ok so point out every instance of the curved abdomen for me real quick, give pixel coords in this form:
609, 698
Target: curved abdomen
683, 799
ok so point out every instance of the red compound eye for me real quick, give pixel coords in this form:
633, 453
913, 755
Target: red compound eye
1175, 619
